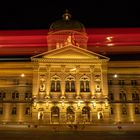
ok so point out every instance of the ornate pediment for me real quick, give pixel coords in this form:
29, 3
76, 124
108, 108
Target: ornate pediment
70, 52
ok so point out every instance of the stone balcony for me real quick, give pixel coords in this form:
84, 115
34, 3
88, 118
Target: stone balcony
85, 95
55, 95
70, 95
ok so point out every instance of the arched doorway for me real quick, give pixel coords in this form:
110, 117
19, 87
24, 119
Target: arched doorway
86, 114
55, 114
70, 114
40, 114
100, 115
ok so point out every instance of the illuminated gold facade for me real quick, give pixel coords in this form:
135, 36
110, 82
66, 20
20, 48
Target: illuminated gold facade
69, 84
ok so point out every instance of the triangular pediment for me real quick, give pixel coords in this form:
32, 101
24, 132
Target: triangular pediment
70, 52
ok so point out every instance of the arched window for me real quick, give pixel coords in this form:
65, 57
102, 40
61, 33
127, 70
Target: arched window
111, 96
135, 96
70, 110
70, 84
84, 84
55, 111
55, 114
55, 84
70, 114
86, 113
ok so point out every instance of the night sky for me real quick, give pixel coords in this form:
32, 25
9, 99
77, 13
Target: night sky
92, 13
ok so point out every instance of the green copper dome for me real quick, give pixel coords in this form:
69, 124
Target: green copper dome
66, 23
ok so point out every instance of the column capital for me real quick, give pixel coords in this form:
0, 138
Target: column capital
92, 68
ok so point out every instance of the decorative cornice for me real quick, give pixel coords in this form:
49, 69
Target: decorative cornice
51, 60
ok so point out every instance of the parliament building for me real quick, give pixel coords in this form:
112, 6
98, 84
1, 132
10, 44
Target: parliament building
68, 83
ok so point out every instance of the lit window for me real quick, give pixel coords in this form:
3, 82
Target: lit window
70, 84
84, 84
55, 84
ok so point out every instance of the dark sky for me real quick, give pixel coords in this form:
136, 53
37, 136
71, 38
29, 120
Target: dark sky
92, 13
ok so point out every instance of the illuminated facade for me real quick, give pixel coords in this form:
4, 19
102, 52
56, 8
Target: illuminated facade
68, 84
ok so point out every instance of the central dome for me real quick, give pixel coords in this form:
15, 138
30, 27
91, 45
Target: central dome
66, 23
65, 28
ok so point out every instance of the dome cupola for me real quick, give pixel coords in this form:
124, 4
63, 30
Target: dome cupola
61, 29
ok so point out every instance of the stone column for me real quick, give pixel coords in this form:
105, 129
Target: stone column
21, 112
92, 83
104, 79
48, 80
117, 110
35, 80
131, 112
7, 113
63, 80
77, 81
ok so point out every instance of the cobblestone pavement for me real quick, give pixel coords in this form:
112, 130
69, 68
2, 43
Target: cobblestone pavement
38, 134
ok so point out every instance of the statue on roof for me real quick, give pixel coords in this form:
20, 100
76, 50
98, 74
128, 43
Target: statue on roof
71, 41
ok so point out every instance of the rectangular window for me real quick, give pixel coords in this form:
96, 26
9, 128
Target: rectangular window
1, 110
15, 95
14, 111
2, 95
121, 82
137, 110
27, 111
111, 110
109, 82
133, 82
27, 95
111, 96
123, 97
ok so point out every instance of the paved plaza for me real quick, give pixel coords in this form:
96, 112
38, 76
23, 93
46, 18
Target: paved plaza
23, 132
